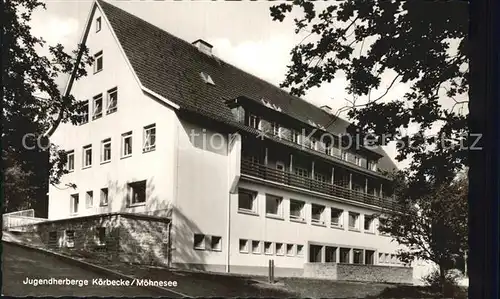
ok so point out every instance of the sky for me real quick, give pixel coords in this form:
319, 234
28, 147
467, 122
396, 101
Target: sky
242, 33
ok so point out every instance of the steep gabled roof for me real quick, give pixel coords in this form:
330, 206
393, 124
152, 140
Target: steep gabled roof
171, 67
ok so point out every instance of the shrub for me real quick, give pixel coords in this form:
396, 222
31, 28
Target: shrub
450, 288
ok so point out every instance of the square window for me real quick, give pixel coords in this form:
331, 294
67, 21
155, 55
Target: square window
368, 224
98, 24
300, 250
268, 248
216, 243
353, 220
74, 201
89, 199
344, 255
273, 205
256, 247
149, 138
331, 254
243, 246
246, 200
199, 241
70, 238
104, 197
98, 62
101, 236
137, 192
126, 144
87, 156
336, 217
302, 172
279, 249
317, 214
112, 104
97, 110
290, 250
70, 160
84, 112
106, 150
297, 209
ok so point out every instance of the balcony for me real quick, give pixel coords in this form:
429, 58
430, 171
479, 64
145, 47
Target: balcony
258, 170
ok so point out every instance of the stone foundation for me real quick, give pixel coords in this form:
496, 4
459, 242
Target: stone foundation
359, 272
124, 237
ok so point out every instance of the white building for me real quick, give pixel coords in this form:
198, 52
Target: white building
173, 131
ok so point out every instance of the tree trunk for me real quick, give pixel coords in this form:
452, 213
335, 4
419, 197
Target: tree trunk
442, 279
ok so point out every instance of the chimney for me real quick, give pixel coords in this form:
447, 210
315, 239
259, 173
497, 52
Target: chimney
326, 108
203, 46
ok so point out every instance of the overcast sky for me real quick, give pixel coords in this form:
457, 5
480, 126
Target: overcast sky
242, 34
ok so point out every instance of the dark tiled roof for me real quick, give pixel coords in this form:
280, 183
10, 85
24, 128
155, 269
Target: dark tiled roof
171, 67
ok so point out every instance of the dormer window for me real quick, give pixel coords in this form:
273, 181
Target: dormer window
206, 78
254, 122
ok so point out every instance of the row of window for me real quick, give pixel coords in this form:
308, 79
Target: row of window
333, 254
387, 258
331, 148
274, 208
136, 195
270, 248
206, 242
98, 104
149, 144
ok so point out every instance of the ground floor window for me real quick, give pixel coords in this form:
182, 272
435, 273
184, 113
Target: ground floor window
315, 252
369, 257
331, 254
137, 192
344, 255
357, 256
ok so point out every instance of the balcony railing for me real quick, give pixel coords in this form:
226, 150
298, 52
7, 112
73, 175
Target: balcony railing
261, 171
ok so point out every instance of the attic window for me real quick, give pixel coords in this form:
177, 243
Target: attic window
98, 24
206, 78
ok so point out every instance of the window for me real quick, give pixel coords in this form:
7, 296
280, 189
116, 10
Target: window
336, 217
320, 177
137, 192
357, 256
101, 236
276, 129
256, 247
369, 257
87, 156
243, 246
70, 160
331, 254
104, 197
89, 199
280, 166
315, 252
279, 249
372, 165
84, 112
126, 144
254, 121
273, 205
97, 110
297, 209
70, 238
106, 150
149, 138
98, 24
368, 224
344, 255
74, 201
381, 257
312, 143
289, 250
98, 62
353, 220
268, 248
302, 172
112, 103
246, 200
296, 137
317, 214
53, 239
300, 250
382, 222
216, 243
199, 241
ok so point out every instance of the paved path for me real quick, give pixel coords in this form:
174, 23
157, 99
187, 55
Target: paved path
19, 263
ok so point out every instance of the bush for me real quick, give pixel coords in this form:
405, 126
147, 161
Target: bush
451, 288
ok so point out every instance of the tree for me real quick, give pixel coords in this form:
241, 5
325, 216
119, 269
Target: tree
420, 43
33, 105
436, 230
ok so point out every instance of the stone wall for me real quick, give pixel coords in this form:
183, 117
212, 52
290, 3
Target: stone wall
359, 272
133, 238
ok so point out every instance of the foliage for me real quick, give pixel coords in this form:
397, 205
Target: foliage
419, 43
33, 104
450, 285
